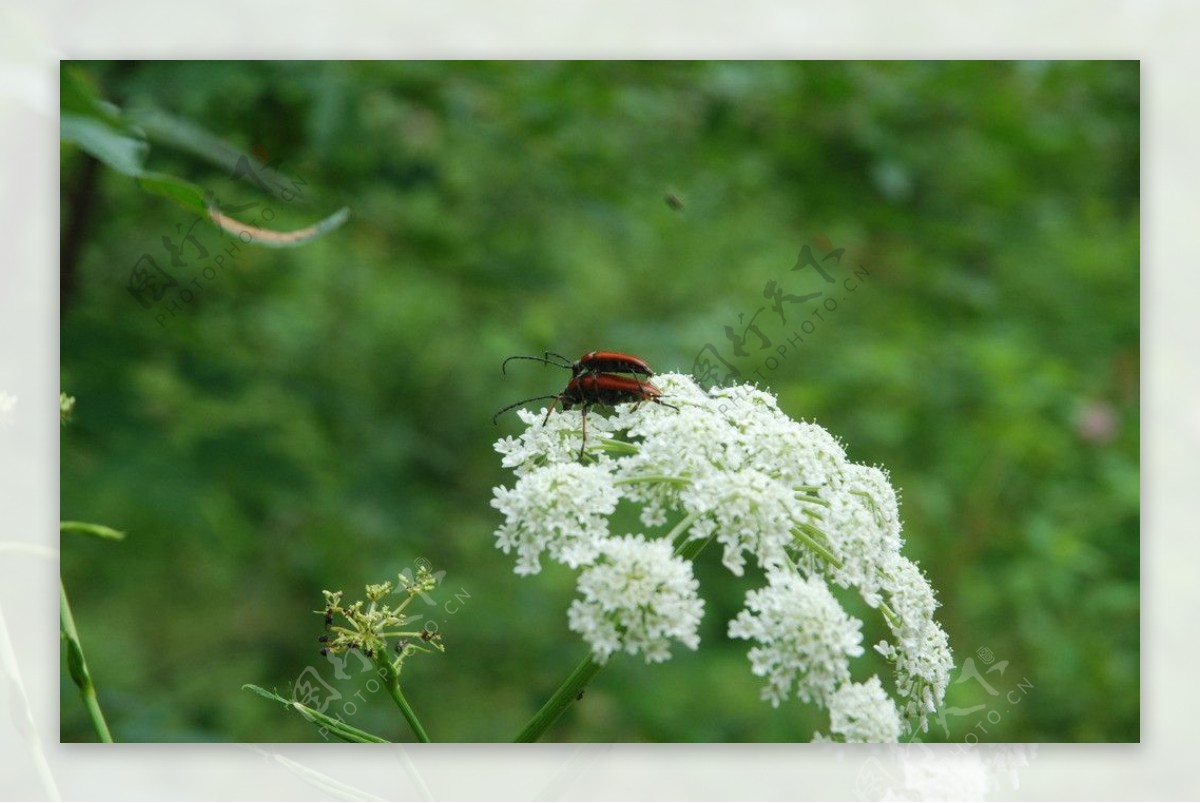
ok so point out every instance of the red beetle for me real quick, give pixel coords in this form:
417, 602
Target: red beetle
594, 363
588, 390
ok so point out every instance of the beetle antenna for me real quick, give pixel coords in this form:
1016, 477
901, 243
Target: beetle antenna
518, 404
567, 361
504, 365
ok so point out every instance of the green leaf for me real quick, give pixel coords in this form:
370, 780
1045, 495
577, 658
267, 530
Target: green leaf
182, 192
79, 96
100, 129
345, 732
76, 665
167, 129
90, 529
120, 151
261, 692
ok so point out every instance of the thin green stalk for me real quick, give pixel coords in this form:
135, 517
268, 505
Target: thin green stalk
805, 533
651, 478
393, 685
91, 529
572, 687
871, 503
558, 702
339, 728
612, 445
680, 530
689, 550
342, 730
890, 615
77, 665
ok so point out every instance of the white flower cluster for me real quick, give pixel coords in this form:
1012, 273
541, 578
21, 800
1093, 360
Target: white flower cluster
922, 651
729, 467
637, 597
805, 638
561, 508
862, 712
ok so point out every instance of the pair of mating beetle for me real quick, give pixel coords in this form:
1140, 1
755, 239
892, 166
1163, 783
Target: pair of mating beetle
595, 380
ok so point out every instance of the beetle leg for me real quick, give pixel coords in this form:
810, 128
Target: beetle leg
553, 404
583, 442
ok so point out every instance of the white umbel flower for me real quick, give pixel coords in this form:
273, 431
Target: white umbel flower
555, 442
805, 640
753, 513
727, 466
862, 523
561, 508
638, 597
862, 712
921, 651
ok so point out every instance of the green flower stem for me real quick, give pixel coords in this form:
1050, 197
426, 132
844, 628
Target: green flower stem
651, 478
680, 530
805, 533
572, 687
91, 529
689, 550
78, 667
890, 615
871, 504
558, 702
612, 445
393, 683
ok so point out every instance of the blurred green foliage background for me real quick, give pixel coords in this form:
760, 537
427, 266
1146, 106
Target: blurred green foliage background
320, 417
